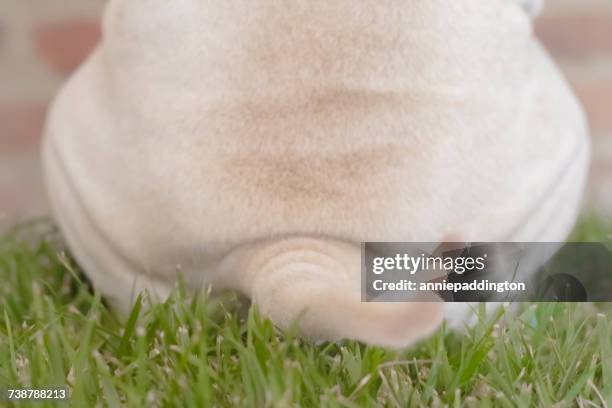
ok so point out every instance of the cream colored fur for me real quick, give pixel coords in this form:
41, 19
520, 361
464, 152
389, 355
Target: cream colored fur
253, 144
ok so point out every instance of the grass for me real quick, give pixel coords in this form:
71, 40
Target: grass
194, 352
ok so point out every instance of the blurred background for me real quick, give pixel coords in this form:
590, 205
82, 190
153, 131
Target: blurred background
43, 41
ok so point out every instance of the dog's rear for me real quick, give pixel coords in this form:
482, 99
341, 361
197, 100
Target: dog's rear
256, 143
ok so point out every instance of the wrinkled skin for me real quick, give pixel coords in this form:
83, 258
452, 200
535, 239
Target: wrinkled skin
253, 145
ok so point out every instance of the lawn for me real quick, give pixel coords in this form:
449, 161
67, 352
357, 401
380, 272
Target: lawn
194, 352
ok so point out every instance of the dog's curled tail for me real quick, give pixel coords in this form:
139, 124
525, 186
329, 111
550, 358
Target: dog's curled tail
315, 284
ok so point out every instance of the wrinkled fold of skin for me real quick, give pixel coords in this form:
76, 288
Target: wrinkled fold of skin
252, 145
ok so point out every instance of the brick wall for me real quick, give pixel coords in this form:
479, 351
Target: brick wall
42, 41
578, 33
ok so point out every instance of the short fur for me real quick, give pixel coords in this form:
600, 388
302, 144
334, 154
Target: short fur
253, 144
